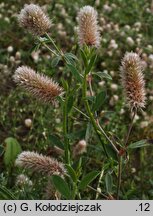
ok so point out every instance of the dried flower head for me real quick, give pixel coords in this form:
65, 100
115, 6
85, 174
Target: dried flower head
34, 19
38, 85
88, 31
39, 163
133, 80
79, 148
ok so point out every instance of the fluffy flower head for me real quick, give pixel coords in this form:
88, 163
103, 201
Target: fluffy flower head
34, 19
88, 31
39, 163
42, 87
133, 80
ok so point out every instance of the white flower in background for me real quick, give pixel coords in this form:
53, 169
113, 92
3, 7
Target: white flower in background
113, 44
107, 8
101, 83
130, 41
114, 87
150, 58
127, 27
17, 55
28, 123
10, 49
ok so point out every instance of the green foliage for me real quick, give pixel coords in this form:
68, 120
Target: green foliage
74, 72
108, 183
100, 98
55, 61
12, 149
6, 194
61, 186
139, 144
88, 179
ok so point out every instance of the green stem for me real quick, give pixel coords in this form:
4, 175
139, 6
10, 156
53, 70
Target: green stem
81, 112
120, 156
52, 51
65, 132
74, 192
119, 175
130, 128
53, 43
101, 175
90, 114
100, 193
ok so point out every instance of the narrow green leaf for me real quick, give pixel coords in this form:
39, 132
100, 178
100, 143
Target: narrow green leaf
55, 61
103, 75
108, 182
56, 141
88, 179
71, 172
90, 65
71, 55
35, 48
44, 40
6, 194
100, 98
74, 72
111, 152
61, 186
12, 149
91, 98
84, 58
88, 131
139, 144
65, 84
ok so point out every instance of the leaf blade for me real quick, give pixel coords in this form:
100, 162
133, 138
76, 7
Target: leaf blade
88, 179
61, 186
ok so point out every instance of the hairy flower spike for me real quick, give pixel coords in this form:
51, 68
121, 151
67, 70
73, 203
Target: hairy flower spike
38, 85
133, 80
34, 19
88, 32
79, 148
39, 163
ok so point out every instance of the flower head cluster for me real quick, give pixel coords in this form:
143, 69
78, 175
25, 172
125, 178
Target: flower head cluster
133, 80
88, 32
40, 86
34, 19
39, 163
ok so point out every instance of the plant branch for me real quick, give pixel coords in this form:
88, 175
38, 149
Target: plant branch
120, 156
84, 89
130, 128
97, 120
65, 132
119, 175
